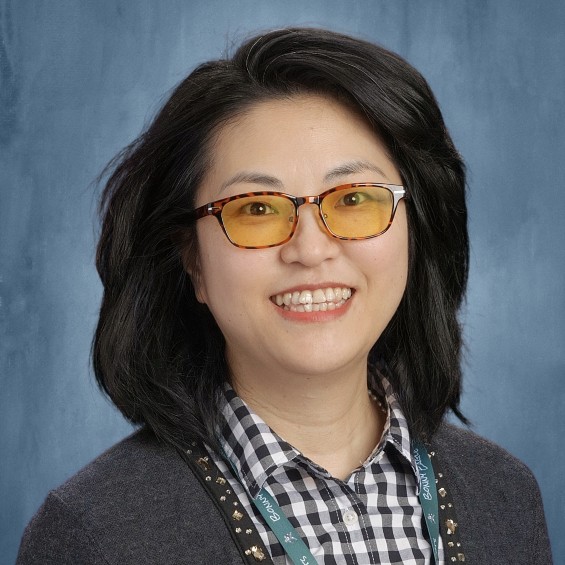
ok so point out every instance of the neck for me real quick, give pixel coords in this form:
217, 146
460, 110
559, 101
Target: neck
329, 418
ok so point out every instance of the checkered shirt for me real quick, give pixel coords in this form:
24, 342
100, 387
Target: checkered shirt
372, 517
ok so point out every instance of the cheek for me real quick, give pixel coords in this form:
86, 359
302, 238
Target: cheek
228, 275
388, 273
387, 267
397, 252
395, 265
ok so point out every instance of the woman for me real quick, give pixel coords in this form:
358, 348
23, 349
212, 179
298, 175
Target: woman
284, 252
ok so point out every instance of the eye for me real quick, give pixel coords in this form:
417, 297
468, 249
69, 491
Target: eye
257, 209
353, 199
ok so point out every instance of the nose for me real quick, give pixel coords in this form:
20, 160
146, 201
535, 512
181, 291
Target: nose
311, 243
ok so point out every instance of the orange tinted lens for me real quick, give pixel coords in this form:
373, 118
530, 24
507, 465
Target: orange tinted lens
357, 212
259, 221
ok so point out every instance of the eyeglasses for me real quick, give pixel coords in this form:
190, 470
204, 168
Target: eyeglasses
256, 220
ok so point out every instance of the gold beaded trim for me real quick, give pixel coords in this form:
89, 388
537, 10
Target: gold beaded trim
234, 515
448, 522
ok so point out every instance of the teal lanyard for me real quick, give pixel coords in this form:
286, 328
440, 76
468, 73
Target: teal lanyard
428, 494
298, 551
289, 538
284, 531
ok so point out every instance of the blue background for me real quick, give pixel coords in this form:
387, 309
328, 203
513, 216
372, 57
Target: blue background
80, 79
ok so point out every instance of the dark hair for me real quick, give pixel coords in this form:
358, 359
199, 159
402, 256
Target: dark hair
157, 352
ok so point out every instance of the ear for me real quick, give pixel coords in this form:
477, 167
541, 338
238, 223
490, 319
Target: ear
191, 264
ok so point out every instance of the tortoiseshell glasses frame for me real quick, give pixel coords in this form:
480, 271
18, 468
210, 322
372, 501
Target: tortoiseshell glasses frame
283, 227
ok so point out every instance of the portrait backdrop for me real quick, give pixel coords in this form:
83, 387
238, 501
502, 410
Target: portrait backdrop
79, 80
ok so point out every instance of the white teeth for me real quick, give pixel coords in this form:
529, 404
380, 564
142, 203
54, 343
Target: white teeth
318, 300
318, 296
305, 297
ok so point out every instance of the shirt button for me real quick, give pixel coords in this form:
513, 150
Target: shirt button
350, 517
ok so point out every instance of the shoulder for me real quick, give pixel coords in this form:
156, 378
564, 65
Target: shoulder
125, 472
482, 470
136, 503
496, 498
469, 452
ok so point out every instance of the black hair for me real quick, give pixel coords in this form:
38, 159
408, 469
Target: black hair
157, 351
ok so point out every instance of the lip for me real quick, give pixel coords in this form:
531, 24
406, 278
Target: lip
319, 316
314, 286
314, 317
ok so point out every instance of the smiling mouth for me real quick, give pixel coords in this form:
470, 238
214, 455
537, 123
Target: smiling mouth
318, 300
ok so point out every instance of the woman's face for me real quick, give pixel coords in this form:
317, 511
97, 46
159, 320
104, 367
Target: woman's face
304, 145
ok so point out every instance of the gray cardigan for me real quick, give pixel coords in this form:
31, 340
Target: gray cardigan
140, 503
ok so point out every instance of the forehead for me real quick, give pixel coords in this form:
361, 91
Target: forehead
294, 139
301, 116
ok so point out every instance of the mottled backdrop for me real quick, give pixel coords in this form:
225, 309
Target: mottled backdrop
78, 80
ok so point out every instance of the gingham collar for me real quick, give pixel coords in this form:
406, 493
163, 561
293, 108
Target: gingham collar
257, 452
395, 431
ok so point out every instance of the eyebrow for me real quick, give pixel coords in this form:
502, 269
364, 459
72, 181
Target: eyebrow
353, 167
349, 168
253, 178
